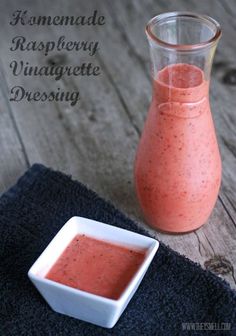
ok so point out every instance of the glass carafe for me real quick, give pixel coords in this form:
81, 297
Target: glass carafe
178, 165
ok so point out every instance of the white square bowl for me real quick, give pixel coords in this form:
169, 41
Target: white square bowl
79, 304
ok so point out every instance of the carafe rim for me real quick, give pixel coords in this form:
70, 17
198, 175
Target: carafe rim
183, 47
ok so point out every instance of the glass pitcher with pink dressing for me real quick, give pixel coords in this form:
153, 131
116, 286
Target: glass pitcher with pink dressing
178, 164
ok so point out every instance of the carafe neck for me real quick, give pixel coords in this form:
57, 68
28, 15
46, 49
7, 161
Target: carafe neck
183, 83
182, 38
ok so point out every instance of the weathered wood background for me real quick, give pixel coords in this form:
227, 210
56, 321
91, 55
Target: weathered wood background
95, 141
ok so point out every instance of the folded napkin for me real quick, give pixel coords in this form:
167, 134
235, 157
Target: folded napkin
174, 291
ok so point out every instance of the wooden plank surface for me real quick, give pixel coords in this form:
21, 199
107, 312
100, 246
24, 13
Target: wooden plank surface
96, 141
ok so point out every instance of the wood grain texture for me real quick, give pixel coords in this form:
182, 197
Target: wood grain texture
13, 157
95, 141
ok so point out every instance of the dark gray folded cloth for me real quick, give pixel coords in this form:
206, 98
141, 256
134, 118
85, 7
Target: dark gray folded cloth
175, 291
